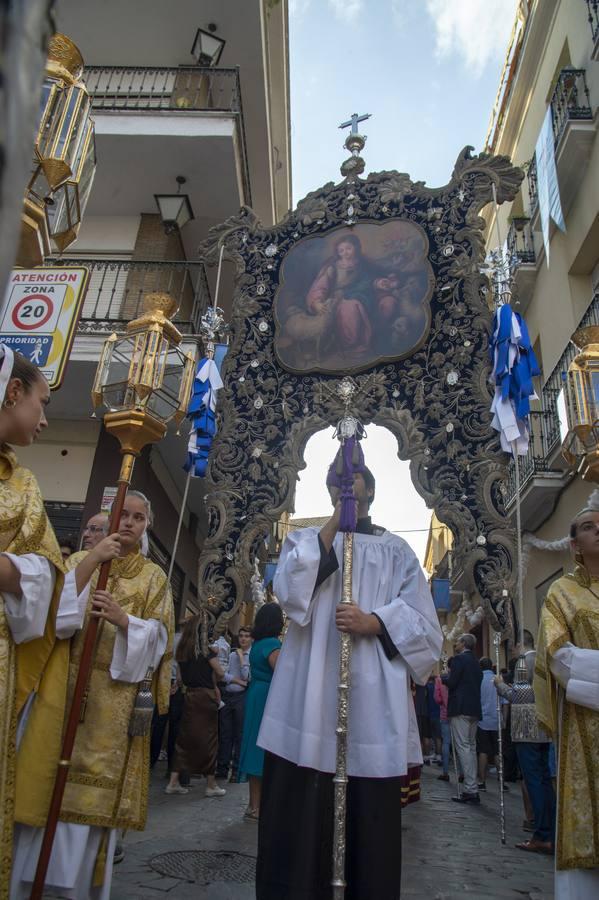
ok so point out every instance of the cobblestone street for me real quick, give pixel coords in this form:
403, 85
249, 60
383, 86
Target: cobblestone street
448, 850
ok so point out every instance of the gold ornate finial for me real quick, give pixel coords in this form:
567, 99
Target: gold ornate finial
160, 303
585, 337
64, 54
158, 308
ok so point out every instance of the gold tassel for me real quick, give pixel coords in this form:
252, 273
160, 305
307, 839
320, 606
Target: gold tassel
141, 715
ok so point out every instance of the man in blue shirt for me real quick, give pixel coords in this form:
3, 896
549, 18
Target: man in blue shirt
486, 736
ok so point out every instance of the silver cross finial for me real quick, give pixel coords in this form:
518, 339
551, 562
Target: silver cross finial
353, 122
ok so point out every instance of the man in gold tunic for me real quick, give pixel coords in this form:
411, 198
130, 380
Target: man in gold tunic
566, 689
107, 786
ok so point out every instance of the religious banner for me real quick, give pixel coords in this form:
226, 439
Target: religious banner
550, 205
372, 285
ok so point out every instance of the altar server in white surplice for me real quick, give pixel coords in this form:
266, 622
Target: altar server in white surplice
396, 636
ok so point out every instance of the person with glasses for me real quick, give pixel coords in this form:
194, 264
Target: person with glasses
95, 530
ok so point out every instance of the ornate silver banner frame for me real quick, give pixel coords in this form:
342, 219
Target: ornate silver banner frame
435, 399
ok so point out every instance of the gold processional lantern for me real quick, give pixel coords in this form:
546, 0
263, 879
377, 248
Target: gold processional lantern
581, 395
144, 379
64, 160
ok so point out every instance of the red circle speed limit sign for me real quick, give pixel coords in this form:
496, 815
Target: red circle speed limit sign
32, 311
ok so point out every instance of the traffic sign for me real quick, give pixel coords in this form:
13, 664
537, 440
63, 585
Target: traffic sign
40, 316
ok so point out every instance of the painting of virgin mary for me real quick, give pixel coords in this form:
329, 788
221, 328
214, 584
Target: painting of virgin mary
353, 297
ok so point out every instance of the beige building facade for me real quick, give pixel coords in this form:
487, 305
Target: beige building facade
552, 63
222, 124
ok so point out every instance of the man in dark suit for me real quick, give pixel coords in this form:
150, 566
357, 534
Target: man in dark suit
464, 713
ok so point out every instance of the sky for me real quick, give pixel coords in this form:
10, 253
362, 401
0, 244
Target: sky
428, 72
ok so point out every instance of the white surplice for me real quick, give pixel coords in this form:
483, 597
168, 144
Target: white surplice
27, 614
577, 670
76, 846
300, 715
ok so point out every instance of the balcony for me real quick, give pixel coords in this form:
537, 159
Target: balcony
117, 289
185, 89
155, 123
573, 135
520, 241
540, 484
542, 471
593, 10
533, 186
521, 249
571, 101
554, 383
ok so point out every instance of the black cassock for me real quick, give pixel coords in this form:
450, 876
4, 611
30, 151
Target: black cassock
295, 830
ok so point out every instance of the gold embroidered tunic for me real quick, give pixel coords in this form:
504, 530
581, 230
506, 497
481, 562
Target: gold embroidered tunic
24, 529
108, 779
571, 616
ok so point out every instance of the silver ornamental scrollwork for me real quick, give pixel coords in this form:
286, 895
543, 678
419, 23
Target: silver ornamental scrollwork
436, 401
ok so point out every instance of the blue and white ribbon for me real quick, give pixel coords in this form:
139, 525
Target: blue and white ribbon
514, 367
202, 412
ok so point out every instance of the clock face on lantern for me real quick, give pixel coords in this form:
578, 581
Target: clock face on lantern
353, 297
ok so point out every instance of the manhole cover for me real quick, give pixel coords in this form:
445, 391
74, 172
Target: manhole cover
206, 866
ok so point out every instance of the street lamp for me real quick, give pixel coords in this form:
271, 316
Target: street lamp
175, 209
582, 404
64, 158
144, 380
207, 47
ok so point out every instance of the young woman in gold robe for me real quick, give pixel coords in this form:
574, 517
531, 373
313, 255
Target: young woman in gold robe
107, 786
30, 582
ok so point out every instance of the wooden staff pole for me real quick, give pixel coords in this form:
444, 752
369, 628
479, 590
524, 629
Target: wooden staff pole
79, 692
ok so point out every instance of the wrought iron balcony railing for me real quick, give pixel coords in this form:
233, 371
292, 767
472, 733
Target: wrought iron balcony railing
117, 288
570, 101
535, 461
181, 89
533, 188
593, 8
545, 436
555, 382
520, 241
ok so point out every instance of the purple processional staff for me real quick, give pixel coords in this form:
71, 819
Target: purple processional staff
339, 727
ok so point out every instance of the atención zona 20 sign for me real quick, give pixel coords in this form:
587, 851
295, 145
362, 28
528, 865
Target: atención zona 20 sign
40, 316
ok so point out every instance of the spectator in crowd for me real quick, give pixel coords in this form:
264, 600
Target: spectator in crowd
231, 715
487, 743
464, 713
95, 530
197, 738
222, 648
441, 695
434, 714
171, 719
532, 746
263, 659
424, 723
67, 548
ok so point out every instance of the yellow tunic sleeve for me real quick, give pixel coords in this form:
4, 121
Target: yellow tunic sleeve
553, 634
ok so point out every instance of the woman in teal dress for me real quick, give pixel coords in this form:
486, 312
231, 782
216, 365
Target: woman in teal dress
263, 659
